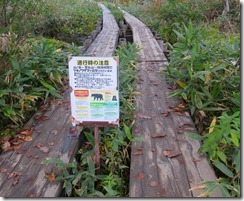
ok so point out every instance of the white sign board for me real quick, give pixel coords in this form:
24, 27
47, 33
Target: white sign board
95, 95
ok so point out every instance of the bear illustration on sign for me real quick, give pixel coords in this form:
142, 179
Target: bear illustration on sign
97, 97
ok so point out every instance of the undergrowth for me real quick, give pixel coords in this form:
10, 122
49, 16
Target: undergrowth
79, 176
33, 67
204, 70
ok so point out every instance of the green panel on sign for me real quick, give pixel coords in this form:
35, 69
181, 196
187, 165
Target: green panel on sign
97, 105
111, 104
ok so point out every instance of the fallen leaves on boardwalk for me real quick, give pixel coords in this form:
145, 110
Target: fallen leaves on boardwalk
166, 113
144, 116
136, 153
9, 143
178, 108
153, 184
3, 170
42, 148
140, 176
15, 176
51, 177
6, 146
181, 124
158, 135
41, 118
170, 154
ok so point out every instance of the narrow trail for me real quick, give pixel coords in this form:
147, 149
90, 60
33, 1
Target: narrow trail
22, 174
164, 164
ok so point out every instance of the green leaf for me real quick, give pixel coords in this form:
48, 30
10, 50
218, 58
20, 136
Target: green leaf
223, 168
47, 85
224, 191
210, 186
90, 138
55, 93
91, 166
101, 177
198, 102
78, 178
234, 188
110, 191
8, 111
235, 139
214, 109
87, 153
127, 132
236, 160
68, 187
15, 63
194, 136
99, 194
221, 155
3, 92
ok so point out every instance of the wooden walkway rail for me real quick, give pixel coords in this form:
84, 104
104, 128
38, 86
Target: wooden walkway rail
22, 174
166, 162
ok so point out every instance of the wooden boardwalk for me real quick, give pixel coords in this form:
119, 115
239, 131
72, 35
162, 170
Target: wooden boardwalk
165, 163
22, 174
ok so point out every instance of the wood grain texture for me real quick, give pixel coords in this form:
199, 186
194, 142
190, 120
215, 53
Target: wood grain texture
169, 164
24, 164
106, 41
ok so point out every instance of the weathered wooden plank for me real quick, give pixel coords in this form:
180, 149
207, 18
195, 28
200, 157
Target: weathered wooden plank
10, 162
26, 176
106, 41
198, 168
170, 160
153, 158
47, 134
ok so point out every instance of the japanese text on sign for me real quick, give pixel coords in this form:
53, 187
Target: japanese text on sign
94, 82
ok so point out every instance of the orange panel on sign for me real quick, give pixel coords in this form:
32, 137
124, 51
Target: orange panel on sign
81, 93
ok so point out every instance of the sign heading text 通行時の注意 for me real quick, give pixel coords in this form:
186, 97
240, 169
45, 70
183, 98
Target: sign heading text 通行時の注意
95, 94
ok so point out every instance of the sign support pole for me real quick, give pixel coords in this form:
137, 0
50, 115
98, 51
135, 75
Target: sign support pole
97, 149
94, 96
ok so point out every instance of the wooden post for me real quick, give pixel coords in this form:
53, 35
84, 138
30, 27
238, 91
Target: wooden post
97, 149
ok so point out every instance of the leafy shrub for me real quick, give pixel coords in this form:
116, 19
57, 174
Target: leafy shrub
30, 72
80, 182
75, 20
115, 11
222, 144
165, 16
20, 17
127, 55
32, 69
207, 75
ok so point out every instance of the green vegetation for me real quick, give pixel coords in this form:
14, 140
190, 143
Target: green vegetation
79, 176
69, 21
166, 15
33, 60
115, 11
204, 67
